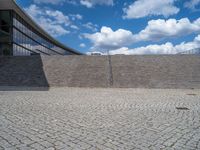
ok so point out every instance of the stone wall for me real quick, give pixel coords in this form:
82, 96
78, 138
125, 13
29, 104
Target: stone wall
160, 71
22, 72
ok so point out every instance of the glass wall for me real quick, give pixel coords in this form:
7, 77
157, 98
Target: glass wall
5, 33
27, 41
18, 38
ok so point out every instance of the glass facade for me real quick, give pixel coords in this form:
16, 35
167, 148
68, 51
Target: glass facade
18, 38
5, 33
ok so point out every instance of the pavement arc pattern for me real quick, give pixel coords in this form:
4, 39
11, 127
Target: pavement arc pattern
100, 119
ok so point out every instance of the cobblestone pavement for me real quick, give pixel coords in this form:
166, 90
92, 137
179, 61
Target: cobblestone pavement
100, 119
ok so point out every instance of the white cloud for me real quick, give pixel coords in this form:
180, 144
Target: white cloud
76, 16
189, 45
109, 39
192, 4
91, 3
51, 28
58, 17
143, 8
73, 2
82, 45
91, 26
167, 48
49, 1
74, 27
156, 30
122, 50
160, 29
87, 3
53, 21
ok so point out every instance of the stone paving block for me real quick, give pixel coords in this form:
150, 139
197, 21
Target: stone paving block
37, 146
5, 144
116, 119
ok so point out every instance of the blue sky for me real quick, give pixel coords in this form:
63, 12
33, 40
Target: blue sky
121, 26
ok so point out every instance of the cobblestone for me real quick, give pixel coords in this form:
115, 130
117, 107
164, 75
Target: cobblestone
100, 119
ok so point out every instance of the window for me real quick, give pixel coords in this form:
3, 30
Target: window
5, 40
27, 41
5, 21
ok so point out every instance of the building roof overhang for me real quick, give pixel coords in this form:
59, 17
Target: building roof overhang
12, 5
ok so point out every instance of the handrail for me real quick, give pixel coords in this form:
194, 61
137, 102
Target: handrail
195, 51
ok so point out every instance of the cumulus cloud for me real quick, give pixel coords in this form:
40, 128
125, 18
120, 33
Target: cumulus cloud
167, 48
156, 30
192, 4
53, 21
143, 8
160, 29
109, 39
184, 46
91, 3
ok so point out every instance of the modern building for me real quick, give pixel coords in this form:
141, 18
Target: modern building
21, 36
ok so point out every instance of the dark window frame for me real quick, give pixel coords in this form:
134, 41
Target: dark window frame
22, 21
9, 42
34, 40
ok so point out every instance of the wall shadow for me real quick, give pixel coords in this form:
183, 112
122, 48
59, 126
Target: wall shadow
22, 73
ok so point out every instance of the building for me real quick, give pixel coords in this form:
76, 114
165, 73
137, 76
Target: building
96, 53
21, 36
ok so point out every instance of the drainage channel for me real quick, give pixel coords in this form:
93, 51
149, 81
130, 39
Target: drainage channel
182, 108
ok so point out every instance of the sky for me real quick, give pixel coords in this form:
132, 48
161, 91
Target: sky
120, 26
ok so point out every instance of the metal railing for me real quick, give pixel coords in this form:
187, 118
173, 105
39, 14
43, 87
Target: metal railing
195, 51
